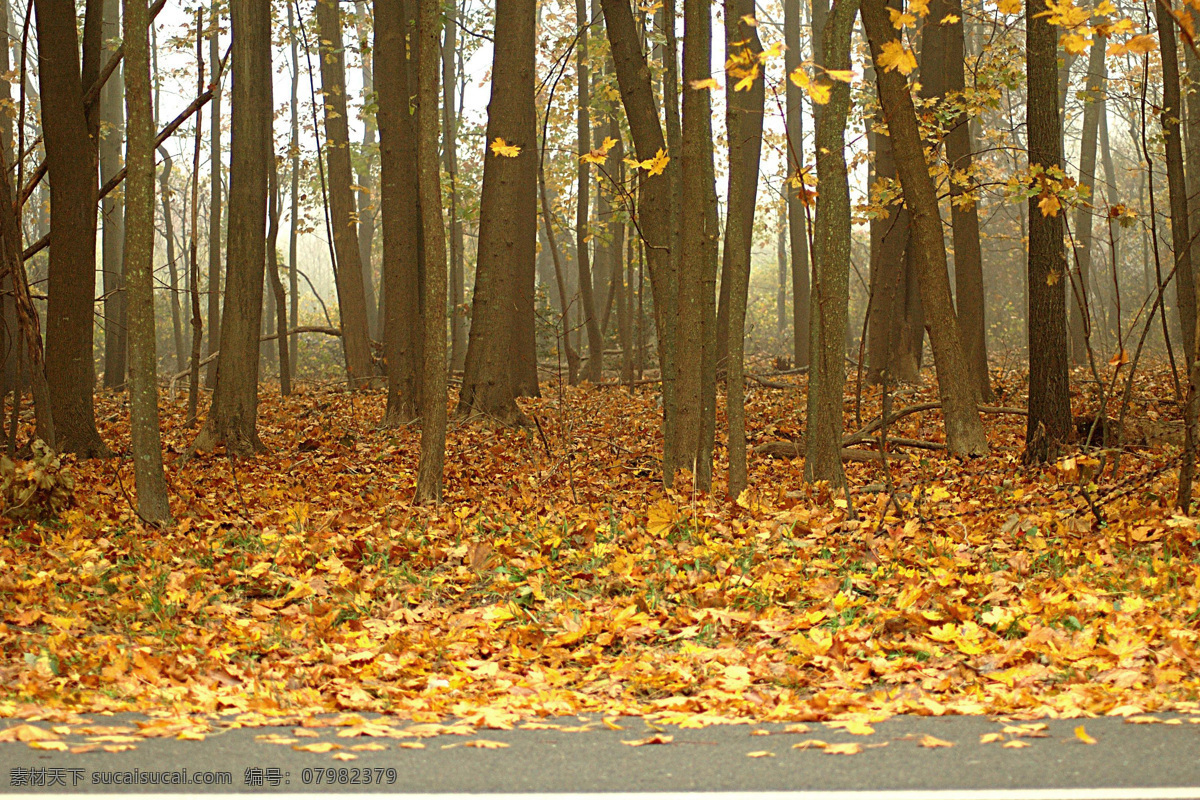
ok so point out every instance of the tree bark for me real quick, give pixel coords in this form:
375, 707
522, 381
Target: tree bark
496, 369
1049, 423
294, 149
583, 143
433, 398
831, 259
367, 194
1078, 292
949, 84
172, 267
280, 304
112, 133
956, 383
356, 343
457, 287
797, 227
744, 124
214, 201
146, 438
395, 63
70, 135
233, 416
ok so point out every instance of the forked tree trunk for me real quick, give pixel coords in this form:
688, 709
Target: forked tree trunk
744, 123
956, 384
233, 417
145, 435
1049, 422
433, 399
356, 343
797, 227
70, 140
831, 259
496, 371
112, 134
400, 209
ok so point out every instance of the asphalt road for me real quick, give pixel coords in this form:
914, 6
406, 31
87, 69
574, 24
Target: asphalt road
1126, 760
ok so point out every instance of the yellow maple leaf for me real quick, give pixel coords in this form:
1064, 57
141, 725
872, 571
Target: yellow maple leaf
748, 19
843, 75
900, 19
895, 56
919, 7
1141, 44
705, 83
1073, 43
656, 165
949, 19
503, 148
1009, 6
1053, 277
1049, 205
600, 154
747, 80
819, 92
799, 76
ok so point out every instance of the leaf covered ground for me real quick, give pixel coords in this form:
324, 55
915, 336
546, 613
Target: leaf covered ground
560, 577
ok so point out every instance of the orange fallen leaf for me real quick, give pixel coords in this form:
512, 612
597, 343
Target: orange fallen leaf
1082, 735
933, 742
317, 747
846, 749
988, 738
44, 744
486, 744
1016, 744
658, 738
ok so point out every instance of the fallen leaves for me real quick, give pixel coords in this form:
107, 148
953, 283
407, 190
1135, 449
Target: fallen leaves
1082, 735
658, 738
933, 742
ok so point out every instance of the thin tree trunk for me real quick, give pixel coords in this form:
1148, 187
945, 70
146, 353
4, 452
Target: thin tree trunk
957, 385
214, 202
294, 149
831, 259
139, 270
559, 279
279, 307
356, 343
194, 241
70, 136
797, 232
1077, 292
1049, 422
112, 134
367, 193
172, 267
400, 210
583, 143
744, 124
457, 287
233, 416
433, 398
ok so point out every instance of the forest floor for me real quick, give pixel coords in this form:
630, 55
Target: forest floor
559, 577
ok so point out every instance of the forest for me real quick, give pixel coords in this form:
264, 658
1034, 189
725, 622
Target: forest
486, 360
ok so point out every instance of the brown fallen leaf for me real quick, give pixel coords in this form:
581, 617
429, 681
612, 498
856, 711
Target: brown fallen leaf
658, 738
933, 742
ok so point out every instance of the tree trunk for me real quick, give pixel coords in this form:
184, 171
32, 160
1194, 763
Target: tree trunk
956, 382
194, 239
1077, 292
1049, 422
280, 304
831, 259
744, 124
172, 267
1170, 116
145, 435
583, 143
70, 136
294, 149
112, 133
458, 322
433, 398
695, 366
654, 200
797, 228
367, 194
214, 202
947, 38
395, 62
233, 416
495, 371
356, 344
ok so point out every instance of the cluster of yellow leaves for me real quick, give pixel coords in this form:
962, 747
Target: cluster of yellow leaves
502, 148
600, 154
653, 166
306, 581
